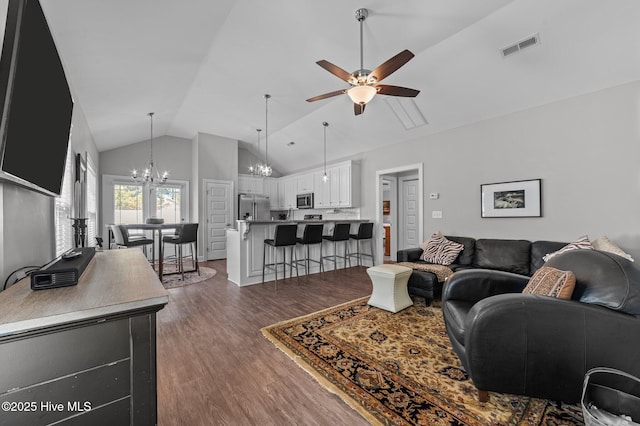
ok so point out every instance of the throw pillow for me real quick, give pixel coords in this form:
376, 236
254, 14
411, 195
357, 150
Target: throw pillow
549, 281
605, 244
581, 243
440, 250
423, 245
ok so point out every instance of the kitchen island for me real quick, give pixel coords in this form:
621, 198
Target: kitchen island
245, 247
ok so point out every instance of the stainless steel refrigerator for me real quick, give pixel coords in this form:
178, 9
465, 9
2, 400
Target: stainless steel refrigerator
255, 206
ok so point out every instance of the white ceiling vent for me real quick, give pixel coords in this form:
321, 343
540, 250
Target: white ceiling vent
407, 111
521, 45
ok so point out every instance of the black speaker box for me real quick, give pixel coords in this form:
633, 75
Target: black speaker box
63, 271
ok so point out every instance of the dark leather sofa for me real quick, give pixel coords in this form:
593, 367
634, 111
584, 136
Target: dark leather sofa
541, 346
516, 256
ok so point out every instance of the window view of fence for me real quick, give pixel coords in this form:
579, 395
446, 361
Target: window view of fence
168, 204
127, 204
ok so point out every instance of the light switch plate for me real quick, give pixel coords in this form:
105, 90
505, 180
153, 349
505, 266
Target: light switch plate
436, 214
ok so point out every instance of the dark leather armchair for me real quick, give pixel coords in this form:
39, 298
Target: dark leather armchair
541, 346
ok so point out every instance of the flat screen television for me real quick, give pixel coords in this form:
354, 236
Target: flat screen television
36, 102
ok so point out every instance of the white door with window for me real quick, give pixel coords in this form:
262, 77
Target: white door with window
219, 214
409, 236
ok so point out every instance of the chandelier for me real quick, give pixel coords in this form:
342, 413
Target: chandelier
150, 175
256, 169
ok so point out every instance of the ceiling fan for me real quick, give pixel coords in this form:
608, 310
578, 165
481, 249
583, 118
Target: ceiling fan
365, 83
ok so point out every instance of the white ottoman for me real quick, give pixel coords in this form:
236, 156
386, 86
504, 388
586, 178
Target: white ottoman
390, 287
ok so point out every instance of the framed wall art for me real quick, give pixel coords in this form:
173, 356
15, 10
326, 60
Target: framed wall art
521, 198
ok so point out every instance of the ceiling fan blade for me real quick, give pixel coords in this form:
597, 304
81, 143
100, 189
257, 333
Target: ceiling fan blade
385, 89
392, 65
358, 108
335, 70
327, 95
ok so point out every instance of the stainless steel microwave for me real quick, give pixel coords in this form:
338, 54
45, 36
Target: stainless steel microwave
304, 201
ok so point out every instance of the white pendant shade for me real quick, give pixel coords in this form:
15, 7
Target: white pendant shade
361, 94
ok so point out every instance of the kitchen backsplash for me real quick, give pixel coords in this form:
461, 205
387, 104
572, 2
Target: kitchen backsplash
327, 214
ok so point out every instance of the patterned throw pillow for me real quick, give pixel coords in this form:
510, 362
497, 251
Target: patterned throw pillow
440, 250
605, 244
581, 243
553, 282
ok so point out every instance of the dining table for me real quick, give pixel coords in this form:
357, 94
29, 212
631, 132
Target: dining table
155, 228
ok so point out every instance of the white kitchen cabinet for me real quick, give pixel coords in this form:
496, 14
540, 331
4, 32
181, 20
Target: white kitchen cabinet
344, 186
250, 184
305, 184
334, 186
290, 192
271, 191
322, 193
287, 191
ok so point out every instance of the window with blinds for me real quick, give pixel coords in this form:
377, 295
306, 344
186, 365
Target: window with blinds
92, 205
63, 203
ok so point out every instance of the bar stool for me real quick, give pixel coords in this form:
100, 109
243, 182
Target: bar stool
365, 232
284, 236
312, 235
186, 234
340, 234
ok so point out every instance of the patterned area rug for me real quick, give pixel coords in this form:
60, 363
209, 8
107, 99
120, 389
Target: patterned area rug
399, 369
175, 280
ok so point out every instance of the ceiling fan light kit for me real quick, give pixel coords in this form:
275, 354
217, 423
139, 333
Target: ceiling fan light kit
364, 83
361, 94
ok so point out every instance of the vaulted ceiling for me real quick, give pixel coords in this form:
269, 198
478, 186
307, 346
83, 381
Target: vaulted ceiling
203, 66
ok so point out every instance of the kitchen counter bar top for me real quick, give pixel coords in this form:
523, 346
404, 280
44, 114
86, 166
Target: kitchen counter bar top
266, 222
246, 248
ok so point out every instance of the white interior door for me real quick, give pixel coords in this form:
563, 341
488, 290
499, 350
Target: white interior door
218, 211
409, 235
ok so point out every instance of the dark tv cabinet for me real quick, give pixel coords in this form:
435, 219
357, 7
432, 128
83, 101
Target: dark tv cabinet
84, 354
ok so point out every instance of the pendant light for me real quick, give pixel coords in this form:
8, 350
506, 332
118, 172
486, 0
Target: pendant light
324, 177
256, 169
151, 176
266, 168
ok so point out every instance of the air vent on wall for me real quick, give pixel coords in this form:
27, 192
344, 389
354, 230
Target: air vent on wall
521, 45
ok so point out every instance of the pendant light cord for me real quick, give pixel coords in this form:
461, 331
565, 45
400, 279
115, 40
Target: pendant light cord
151, 142
325, 124
266, 129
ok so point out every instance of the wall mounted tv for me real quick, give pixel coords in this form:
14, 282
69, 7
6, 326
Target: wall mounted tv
36, 102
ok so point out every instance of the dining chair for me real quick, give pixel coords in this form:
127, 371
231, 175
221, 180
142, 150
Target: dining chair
122, 238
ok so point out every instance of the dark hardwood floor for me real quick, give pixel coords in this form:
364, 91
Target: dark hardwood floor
216, 368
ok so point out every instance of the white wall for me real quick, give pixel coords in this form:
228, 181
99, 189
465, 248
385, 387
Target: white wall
217, 159
586, 150
169, 153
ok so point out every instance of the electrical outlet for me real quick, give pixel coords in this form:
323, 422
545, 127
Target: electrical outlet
436, 214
